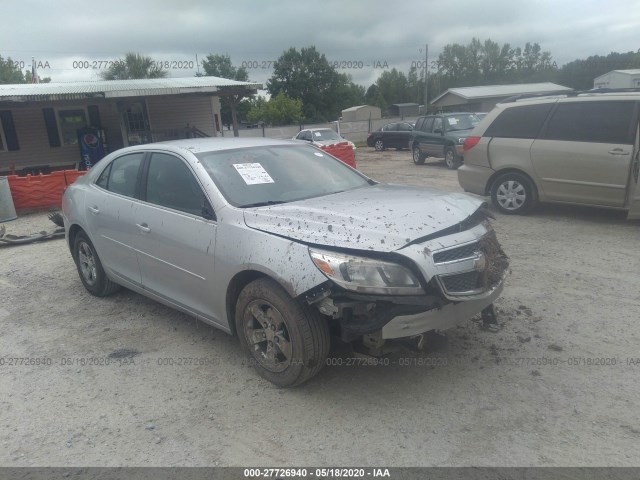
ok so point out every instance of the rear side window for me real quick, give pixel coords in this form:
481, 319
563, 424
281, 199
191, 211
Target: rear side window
519, 122
600, 122
121, 176
392, 127
419, 123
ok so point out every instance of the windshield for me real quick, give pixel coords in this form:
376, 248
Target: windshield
327, 134
461, 122
256, 176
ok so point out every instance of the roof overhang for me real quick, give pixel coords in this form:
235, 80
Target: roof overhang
47, 92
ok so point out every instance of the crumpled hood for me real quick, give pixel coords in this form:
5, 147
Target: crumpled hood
382, 217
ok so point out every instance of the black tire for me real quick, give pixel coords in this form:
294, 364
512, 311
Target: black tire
418, 158
379, 145
451, 159
287, 341
513, 193
90, 268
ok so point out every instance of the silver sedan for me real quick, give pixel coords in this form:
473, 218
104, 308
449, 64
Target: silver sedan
281, 244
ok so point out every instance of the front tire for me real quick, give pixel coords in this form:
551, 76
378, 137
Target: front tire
286, 340
379, 145
451, 160
418, 158
90, 269
513, 193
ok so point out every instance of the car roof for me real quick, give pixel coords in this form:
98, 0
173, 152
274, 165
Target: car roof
211, 144
446, 114
588, 96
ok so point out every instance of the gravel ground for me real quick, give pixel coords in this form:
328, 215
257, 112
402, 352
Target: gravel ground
556, 385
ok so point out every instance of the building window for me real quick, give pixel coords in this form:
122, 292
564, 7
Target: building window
69, 121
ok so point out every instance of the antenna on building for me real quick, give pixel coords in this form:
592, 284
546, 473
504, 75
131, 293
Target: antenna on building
198, 74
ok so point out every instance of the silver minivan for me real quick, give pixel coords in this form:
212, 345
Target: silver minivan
579, 148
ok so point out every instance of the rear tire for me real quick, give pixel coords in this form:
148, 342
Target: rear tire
513, 193
287, 341
379, 145
418, 158
90, 269
451, 160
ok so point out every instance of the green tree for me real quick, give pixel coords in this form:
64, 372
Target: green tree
392, 86
232, 101
279, 110
374, 97
27, 78
579, 74
132, 66
486, 63
10, 71
306, 75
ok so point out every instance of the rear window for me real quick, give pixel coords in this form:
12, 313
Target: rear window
600, 122
519, 122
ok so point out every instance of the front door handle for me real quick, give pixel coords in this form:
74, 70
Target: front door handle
95, 210
144, 228
618, 151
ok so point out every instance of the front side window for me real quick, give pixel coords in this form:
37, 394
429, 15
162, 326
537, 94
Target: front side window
121, 175
437, 124
601, 122
277, 174
170, 183
404, 127
70, 122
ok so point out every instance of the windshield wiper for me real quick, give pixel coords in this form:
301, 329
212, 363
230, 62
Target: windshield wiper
263, 204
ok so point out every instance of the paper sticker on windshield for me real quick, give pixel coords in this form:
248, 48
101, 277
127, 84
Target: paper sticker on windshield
317, 134
253, 173
453, 121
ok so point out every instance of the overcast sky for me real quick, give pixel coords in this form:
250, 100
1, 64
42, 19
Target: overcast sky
365, 36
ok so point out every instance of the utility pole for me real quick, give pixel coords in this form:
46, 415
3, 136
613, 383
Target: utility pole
426, 78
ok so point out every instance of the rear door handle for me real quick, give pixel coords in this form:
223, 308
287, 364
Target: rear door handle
618, 151
95, 210
143, 227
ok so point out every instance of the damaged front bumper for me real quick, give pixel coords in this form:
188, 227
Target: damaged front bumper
462, 274
442, 318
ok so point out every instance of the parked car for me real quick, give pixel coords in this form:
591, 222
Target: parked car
392, 135
280, 244
322, 136
441, 136
580, 148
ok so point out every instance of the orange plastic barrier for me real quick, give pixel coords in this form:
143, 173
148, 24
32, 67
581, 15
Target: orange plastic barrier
71, 176
40, 191
343, 151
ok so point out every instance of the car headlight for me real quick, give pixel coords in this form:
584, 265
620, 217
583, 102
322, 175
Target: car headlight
366, 275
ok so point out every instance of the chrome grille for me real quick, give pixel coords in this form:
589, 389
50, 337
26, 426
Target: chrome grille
453, 254
461, 282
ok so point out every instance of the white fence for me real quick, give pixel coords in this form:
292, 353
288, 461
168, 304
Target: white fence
355, 131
